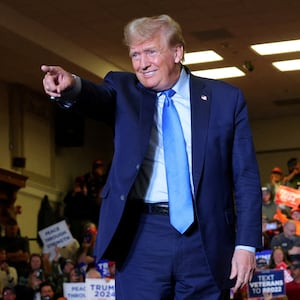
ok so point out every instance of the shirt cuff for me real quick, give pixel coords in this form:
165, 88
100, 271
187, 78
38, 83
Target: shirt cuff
247, 248
68, 97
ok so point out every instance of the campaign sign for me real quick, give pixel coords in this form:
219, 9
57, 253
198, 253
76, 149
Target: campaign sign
263, 255
100, 289
74, 290
102, 267
267, 281
287, 196
56, 235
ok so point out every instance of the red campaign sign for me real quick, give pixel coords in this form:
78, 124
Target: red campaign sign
288, 196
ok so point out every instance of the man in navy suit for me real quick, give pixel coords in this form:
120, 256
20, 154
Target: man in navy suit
154, 260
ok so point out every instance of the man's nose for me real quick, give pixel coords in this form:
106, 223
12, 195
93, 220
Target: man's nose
145, 63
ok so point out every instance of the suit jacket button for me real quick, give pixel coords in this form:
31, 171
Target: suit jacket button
137, 166
122, 197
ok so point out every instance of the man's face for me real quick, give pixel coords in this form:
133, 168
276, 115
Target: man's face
155, 63
35, 262
47, 291
276, 177
289, 230
296, 215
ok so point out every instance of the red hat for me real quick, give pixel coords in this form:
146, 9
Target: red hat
277, 170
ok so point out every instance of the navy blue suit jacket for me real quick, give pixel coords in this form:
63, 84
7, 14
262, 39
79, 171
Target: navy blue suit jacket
224, 168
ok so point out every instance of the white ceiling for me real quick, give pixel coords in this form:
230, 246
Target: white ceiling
86, 38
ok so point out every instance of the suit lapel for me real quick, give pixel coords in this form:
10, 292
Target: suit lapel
200, 110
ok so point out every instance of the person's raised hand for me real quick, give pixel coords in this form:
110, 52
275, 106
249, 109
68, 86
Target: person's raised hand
56, 80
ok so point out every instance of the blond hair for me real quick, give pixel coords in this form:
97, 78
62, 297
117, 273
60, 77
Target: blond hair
141, 29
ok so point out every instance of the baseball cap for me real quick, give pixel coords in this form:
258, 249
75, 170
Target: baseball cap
277, 170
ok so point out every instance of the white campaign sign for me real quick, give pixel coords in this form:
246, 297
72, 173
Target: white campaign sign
56, 235
74, 290
100, 289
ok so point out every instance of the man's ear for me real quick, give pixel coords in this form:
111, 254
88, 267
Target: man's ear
178, 53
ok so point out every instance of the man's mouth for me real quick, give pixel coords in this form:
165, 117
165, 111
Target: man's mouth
148, 73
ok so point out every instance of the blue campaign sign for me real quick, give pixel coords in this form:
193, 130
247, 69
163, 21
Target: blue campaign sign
263, 255
267, 281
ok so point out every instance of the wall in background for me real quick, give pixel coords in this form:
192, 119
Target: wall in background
27, 130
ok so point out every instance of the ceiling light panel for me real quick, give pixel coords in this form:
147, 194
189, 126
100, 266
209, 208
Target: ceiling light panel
220, 73
277, 47
287, 65
201, 57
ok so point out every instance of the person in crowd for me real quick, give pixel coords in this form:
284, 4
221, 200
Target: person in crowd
83, 203
93, 273
269, 230
61, 273
9, 293
293, 287
47, 291
268, 205
95, 181
293, 178
295, 250
70, 250
266, 238
276, 180
16, 246
76, 275
279, 260
85, 256
8, 274
295, 216
36, 273
75, 209
288, 238
163, 247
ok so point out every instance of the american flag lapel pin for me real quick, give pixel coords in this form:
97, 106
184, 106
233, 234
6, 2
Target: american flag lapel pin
204, 97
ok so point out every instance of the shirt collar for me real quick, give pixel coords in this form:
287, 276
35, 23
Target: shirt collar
182, 87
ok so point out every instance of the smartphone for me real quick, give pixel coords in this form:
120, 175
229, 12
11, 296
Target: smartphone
271, 226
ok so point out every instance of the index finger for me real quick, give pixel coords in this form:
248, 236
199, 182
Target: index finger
50, 69
45, 68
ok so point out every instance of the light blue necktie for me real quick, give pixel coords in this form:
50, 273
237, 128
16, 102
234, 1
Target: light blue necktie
177, 168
